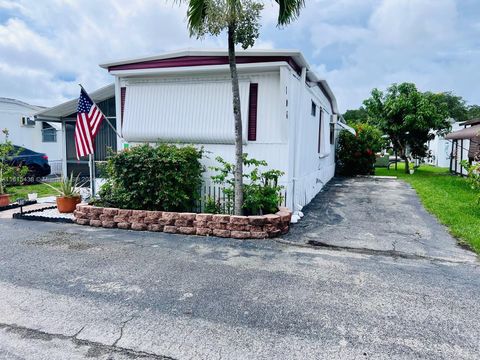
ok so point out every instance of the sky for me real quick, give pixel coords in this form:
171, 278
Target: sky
48, 47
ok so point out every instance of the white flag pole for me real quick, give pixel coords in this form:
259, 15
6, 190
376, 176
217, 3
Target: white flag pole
91, 166
91, 157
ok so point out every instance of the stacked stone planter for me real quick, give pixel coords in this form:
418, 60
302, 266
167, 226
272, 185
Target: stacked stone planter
229, 226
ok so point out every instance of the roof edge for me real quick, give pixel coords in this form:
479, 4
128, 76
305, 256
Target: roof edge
208, 52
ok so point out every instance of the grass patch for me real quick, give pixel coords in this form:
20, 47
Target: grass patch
22, 191
448, 197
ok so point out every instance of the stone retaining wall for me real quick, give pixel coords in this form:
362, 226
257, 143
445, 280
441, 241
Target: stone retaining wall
230, 226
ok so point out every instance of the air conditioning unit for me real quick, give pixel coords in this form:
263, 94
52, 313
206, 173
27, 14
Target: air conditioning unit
333, 119
28, 121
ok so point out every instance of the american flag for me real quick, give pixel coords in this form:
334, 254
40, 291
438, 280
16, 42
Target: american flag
89, 118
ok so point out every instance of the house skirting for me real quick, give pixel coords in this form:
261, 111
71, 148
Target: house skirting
228, 226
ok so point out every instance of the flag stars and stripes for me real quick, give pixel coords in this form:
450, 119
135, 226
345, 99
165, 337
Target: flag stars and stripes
89, 118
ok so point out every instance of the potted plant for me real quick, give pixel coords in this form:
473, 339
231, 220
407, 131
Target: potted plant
69, 194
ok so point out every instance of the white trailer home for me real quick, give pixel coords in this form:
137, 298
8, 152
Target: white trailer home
289, 115
45, 137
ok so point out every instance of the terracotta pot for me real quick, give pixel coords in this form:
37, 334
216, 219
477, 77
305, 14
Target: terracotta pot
4, 200
68, 204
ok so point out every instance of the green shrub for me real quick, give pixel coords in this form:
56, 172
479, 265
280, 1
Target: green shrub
163, 177
356, 153
9, 174
212, 206
473, 177
261, 192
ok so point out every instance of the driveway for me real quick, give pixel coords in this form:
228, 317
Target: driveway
71, 292
376, 215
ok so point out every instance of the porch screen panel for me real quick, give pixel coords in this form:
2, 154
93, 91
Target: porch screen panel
191, 112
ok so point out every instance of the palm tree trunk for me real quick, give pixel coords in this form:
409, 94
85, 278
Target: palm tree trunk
238, 177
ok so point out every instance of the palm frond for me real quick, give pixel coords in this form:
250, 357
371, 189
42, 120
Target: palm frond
289, 10
196, 14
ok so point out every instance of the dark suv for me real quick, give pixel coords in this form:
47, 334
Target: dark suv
37, 163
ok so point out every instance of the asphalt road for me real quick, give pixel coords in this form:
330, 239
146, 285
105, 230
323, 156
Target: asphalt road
71, 292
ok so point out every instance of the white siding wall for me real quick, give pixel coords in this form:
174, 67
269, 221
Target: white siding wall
26, 136
311, 170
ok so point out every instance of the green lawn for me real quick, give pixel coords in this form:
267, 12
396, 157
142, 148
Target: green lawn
22, 191
448, 197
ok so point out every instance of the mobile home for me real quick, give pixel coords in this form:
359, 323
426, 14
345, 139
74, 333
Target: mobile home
289, 115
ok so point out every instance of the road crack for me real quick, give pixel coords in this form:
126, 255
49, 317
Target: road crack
95, 347
312, 244
121, 330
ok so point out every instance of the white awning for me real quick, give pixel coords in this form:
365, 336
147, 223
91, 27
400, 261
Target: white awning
346, 127
55, 125
56, 113
182, 111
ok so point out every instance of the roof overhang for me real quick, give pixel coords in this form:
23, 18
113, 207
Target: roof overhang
344, 126
208, 54
205, 60
467, 133
470, 122
61, 111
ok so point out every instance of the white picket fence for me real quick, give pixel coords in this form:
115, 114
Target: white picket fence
56, 167
215, 192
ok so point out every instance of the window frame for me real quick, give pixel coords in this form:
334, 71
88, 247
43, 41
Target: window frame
48, 131
252, 112
320, 132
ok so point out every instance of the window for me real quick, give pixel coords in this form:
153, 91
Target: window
314, 109
332, 133
49, 133
320, 124
252, 112
28, 121
123, 95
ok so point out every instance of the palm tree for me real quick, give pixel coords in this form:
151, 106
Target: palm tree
240, 18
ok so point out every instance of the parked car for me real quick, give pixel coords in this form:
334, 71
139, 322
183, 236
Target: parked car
36, 162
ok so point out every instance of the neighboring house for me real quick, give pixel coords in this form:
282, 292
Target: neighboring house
24, 131
289, 115
440, 149
465, 145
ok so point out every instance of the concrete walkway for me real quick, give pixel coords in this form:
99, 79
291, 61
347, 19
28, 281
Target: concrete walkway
376, 215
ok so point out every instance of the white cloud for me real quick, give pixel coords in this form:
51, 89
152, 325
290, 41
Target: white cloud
421, 41
54, 38
48, 46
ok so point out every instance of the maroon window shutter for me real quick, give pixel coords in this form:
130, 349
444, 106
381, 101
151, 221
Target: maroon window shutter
252, 112
320, 130
123, 93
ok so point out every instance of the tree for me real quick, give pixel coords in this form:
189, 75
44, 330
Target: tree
357, 116
356, 153
408, 117
473, 112
456, 105
240, 19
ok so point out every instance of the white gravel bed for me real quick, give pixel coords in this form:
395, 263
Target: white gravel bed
50, 213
